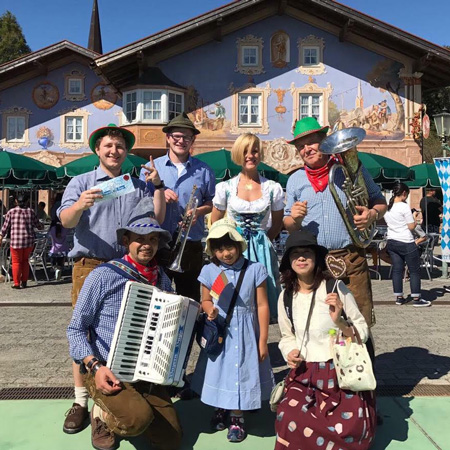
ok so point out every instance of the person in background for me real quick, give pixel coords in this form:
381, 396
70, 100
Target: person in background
256, 204
59, 249
402, 248
95, 223
19, 225
431, 211
55, 207
41, 214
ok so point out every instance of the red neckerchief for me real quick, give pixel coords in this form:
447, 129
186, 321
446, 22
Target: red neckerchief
149, 272
319, 177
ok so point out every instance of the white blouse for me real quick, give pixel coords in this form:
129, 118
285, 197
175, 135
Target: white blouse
272, 194
316, 346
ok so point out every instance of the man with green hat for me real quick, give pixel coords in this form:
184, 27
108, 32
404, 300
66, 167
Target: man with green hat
180, 172
95, 224
311, 206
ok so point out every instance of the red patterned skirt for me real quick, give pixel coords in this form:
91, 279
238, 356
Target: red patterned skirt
316, 414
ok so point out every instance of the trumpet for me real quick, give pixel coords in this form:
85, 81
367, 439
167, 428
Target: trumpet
343, 143
183, 233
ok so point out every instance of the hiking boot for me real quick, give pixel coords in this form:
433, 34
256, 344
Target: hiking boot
102, 437
76, 419
236, 430
421, 303
218, 420
401, 301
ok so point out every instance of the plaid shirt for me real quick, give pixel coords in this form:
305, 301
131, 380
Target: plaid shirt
20, 224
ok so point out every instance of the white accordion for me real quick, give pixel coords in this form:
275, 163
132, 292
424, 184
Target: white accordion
153, 335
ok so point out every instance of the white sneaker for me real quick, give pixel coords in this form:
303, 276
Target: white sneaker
58, 274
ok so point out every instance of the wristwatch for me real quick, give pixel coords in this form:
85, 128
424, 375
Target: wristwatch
161, 185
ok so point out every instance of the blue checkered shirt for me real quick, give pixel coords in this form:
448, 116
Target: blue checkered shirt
97, 311
323, 218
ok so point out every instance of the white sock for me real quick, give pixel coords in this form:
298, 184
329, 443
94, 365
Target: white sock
98, 412
81, 396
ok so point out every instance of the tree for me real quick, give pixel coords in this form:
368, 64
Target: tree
12, 41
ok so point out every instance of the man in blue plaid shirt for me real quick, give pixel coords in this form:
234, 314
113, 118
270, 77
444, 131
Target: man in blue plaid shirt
121, 408
311, 206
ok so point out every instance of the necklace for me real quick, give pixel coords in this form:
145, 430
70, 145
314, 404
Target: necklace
248, 186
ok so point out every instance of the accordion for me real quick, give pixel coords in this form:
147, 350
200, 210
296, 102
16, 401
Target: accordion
153, 335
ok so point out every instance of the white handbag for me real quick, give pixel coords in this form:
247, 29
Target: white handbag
353, 365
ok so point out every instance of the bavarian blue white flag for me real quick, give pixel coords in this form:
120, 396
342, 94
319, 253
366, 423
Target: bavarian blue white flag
443, 171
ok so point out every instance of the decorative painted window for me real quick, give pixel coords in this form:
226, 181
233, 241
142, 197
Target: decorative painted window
310, 55
175, 105
15, 129
249, 55
249, 60
157, 106
310, 100
310, 105
74, 128
15, 124
74, 86
249, 109
130, 106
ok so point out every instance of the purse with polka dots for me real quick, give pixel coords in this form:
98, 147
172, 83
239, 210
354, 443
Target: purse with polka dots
352, 363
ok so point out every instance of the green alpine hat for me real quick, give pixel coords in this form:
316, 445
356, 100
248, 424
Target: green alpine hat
308, 125
127, 135
181, 121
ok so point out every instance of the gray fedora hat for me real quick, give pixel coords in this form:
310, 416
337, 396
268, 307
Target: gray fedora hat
142, 223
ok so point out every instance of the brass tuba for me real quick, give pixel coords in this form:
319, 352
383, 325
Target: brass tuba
343, 144
183, 233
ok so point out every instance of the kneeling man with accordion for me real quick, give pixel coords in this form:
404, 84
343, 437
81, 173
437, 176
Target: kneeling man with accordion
131, 337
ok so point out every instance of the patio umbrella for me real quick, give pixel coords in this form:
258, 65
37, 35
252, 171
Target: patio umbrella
425, 176
19, 170
131, 165
384, 170
224, 168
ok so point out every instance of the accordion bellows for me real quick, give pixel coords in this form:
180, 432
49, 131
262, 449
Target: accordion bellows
153, 335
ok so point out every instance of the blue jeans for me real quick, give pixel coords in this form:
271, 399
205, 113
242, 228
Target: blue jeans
401, 253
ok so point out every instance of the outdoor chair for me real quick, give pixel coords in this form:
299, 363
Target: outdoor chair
5, 260
38, 257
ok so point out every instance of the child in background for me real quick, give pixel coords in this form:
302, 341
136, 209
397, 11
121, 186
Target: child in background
240, 377
59, 248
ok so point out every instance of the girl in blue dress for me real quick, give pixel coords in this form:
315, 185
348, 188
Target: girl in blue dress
240, 377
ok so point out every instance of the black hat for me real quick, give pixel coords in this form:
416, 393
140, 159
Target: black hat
301, 238
181, 121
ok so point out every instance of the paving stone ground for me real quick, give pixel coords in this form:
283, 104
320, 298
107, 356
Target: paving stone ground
412, 344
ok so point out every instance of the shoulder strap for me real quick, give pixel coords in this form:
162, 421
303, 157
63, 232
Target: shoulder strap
287, 301
235, 294
125, 269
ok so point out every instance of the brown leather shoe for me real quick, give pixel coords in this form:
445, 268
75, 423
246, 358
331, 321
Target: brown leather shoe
76, 419
102, 437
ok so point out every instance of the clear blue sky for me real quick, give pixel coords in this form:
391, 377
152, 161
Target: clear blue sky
45, 22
